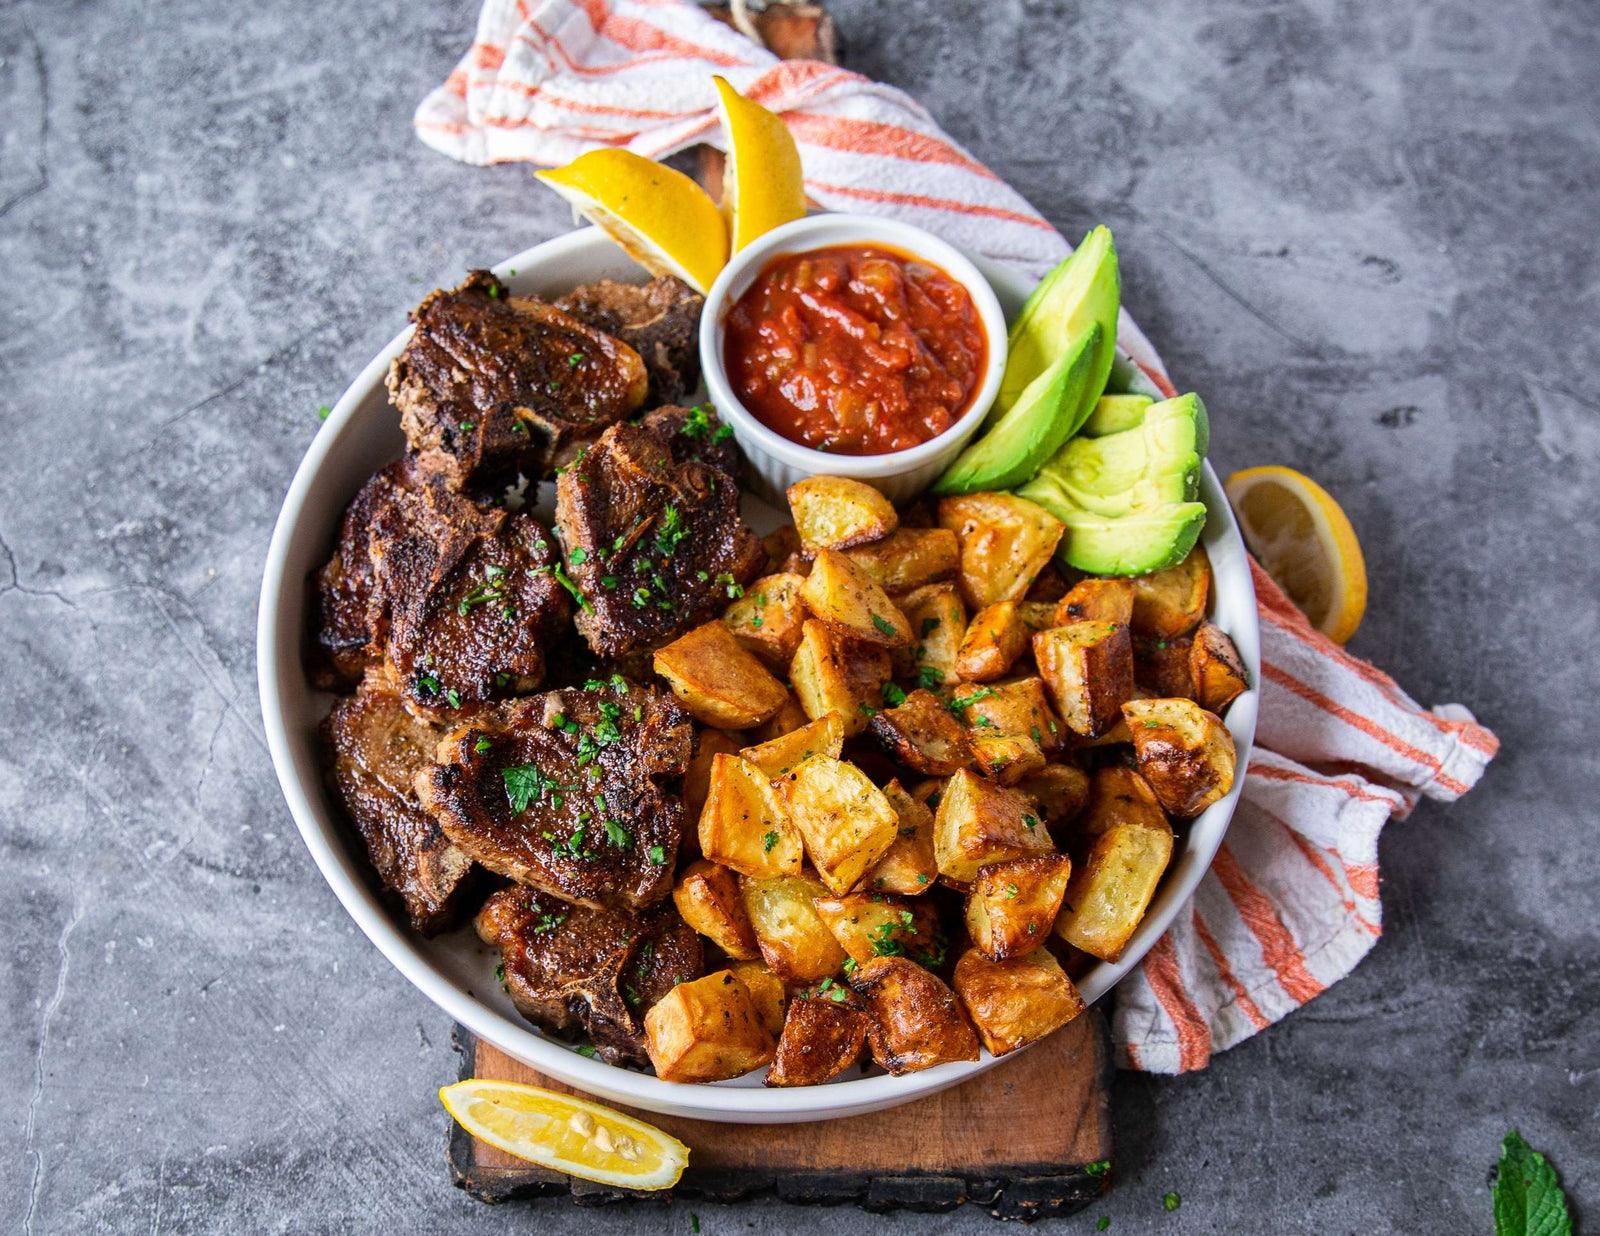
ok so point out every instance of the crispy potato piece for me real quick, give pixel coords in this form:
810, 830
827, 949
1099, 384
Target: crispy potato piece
1109, 893
706, 1030
1118, 735
1005, 542
1216, 668
1089, 669
907, 866
909, 558
995, 638
1006, 758
842, 595
1016, 1002
1017, 706
835, 512
767, 993
831, 673
1048, 587
979, 822
780, 543
1013, 905
930, 791
786, 720
1185, 753
697, 781
717, 680
921, 734
915, 1020
743, 824
1061, 790
821, 1038
795, 943
1119, 795
824, 736
1172, 602
707, 895
846, 822
1096, 600
1161, 666
938, 624
869, 925
767, 619
1037, 615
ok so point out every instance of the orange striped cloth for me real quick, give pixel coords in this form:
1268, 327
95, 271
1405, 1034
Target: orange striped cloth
1290, 903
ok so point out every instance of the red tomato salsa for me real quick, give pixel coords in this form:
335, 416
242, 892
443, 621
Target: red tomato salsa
855, 349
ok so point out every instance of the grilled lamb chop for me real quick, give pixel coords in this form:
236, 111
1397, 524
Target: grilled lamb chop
696, 435
566, 792
493, 384
655, 545
375, 749
467, 600
659, 320
573, 968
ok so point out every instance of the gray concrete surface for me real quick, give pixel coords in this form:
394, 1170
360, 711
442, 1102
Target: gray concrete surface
1366, 232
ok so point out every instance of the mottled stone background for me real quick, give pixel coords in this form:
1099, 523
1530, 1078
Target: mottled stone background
1365, 232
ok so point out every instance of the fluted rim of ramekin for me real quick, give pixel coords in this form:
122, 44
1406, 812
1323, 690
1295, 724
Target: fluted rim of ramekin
823, 231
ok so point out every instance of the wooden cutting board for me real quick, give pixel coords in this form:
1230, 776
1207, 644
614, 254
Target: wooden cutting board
1029, 1138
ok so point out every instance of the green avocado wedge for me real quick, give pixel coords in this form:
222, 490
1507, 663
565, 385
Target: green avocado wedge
1114, 413
1150, 539
1020, 442
1157, 461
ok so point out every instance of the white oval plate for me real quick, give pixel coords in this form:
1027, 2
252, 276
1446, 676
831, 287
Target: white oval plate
455, 971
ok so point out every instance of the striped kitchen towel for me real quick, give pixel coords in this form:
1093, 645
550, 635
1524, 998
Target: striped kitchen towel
1290, 903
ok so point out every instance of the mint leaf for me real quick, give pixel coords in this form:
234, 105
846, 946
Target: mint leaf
1528, 1200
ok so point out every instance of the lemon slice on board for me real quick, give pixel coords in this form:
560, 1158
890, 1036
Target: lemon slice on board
661, 218
761, 182
567, 1134
1304, 540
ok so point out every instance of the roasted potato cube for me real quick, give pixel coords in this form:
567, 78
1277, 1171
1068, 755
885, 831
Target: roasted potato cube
915, 1021
821, 1038
1006, 758
979, 822
767, 619
1109, 893
795, 943
909, 558
1096, 600
786, 720
842, 595
1061, 790
846, 822
707, 895
869, 925
780, 543
835, 512
1016, 1002
995, 638
832, 673
1216, 668
707, 1030
1172, 602
921, 734
938, 625
1013, 905
1089, 669
1119, 795
767, 993
1037, 615
1048, 586
907, 866
1005, 542
1161, 666
1185, 753
743, 824
717, 680
697, 781
1018, 706
824, 736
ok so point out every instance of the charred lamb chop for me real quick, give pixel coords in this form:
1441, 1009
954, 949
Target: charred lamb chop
659, 320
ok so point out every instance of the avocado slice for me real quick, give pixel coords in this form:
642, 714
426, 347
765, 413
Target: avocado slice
1157, 461
1136, 543
1033, 430
1114, 413
1085, 288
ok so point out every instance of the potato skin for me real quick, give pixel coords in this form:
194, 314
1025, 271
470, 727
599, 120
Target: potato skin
741, 813
718, 682
821, 1039
1005, 543
824, 736
795, 943
1110, 892
1185, 753
1163, 667
1117, 794
869, 925
1217, 668
1006, 758
909, 558
938, 625
907, 866
1089, 669
979, 822
786, 720
1172, 602
995, 638
915, 1021
1096, 600
1061, 790
1013, 905
768, 618
845, 597
707, 1030
1016, 1002
767, 993
831, 673
836, 512
1016, 706
707, 896
921, 734
845, 821
697, 781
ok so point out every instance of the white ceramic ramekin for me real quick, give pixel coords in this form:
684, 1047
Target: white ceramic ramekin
775, 462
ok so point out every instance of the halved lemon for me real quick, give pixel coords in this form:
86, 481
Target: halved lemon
567, 1134
761, 183
1304, 540
661, 218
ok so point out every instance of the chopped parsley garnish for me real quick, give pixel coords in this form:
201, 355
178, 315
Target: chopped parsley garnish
966, 701
548, 922
578, 556
883, 624
467, 426
577, 594
757, 621
1099, 1168
1011, 891
657, 854
620, 836
1038, 738
1030, 822
1172, 1201
483, 744
735, 589
324, 412
849, 965
867, 710
428, 685
696, 425
893, 696
585, 1049
500, 973
575, 360
670, 533
929, 677
526, 783
767, 842
723, 433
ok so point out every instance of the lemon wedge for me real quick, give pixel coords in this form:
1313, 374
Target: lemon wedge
566, 1133
761, 183
1304, 540
661, 218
